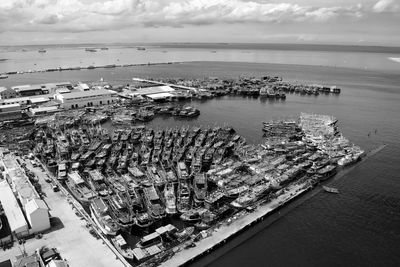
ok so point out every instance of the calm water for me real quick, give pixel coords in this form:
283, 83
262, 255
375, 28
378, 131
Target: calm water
360, 226
28, 58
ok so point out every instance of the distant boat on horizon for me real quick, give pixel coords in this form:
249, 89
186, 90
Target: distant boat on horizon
90, 50
141, 48
42, 50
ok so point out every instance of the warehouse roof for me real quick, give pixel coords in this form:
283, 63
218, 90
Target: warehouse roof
89, 93
160, 96
155, 90
11, 208
35, 204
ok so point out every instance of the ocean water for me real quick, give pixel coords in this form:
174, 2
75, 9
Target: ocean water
25, 58
358, 227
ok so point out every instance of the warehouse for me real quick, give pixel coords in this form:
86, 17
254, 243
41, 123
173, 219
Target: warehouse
10, 112
37, 214
86, 98
12, 210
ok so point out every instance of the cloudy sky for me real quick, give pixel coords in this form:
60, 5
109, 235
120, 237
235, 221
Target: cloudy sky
375, 22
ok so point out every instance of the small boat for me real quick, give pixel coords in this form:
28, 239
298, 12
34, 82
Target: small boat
122, 247
3, 76
330, 189
42, 50
170, 199
99, 212
191, 216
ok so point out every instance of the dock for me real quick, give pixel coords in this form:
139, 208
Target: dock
228, 230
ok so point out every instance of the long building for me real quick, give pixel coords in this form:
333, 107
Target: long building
10, 112
35, 209
89, 98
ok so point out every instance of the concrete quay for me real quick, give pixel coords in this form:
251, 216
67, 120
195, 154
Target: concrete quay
227, 230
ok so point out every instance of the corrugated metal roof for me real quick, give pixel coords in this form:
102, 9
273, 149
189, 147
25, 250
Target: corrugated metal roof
154, 90
89, 93
11, 208
160, 95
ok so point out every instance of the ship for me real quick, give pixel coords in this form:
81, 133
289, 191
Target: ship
170, 199
182, 171
143, 220
42, 50
99, 212
330, 189
199, 188
90, 50
98, 184
79, 189
191, 216
153, 203
122, 247
123, 214
326, 172
183, 201
3, 76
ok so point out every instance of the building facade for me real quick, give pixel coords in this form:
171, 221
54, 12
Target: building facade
86, 98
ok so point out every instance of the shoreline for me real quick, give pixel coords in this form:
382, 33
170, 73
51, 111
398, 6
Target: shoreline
229, 230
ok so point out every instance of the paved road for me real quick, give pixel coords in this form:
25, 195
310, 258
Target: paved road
70, 237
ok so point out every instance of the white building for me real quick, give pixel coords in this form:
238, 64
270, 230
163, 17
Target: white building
37, 214
12, 210
86, 98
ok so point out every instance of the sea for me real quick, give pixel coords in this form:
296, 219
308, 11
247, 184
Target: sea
358, 227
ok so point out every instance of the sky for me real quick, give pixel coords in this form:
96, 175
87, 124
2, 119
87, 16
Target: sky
359, 22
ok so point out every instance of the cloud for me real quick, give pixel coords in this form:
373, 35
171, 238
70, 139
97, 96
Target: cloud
386, 6
91, 15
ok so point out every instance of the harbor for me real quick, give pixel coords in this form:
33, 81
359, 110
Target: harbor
143, 188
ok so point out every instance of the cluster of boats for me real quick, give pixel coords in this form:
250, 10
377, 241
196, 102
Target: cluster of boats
139, 178
267, 86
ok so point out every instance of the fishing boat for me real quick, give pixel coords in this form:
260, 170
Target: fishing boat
183, 201
143, 220
199, 188
123, 214
122, 247
330, 189
191, 216
170, 199
98, 184
99, 212
153, 202
182, 171
79, 189
184, 233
